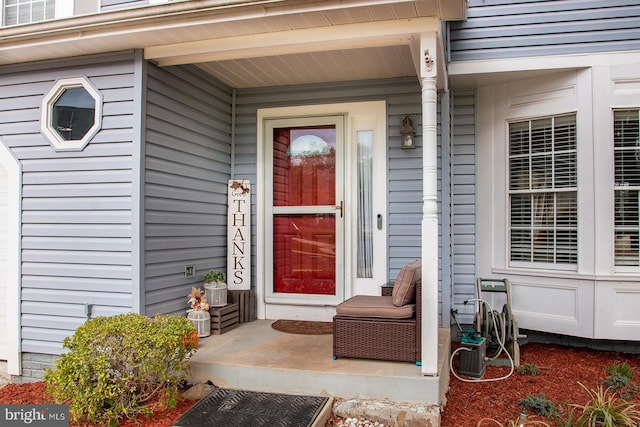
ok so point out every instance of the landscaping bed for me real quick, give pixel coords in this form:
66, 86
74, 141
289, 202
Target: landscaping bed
560, 371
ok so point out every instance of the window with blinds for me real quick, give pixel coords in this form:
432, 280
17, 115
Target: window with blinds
627, 186
27, 11
543, 191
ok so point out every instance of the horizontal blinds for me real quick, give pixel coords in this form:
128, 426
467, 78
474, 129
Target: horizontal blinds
627, 186
27, 11
543, 193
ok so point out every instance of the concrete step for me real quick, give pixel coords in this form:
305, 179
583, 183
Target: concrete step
256, 357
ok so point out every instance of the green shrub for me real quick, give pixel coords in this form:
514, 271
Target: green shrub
619, 380
621, 369
540, 405
621, 385
116, 365
528, 369
615, 382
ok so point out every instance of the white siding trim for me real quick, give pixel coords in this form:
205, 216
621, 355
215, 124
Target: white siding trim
14, 185
596, 299
617, 315
138, 293
568, 304
64, 8
490, 71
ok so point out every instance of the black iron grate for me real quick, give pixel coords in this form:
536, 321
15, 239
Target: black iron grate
239, 408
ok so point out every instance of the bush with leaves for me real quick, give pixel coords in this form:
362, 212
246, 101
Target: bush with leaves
528, 369
116, 365
622, 369
619, 379
540, 405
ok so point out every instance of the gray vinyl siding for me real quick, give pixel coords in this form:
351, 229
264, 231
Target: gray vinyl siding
77, 215
463, 197
444, 209
517, 28
187, 167
404, 174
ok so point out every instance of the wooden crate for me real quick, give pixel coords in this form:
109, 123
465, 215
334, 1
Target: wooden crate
246, 301
224, 319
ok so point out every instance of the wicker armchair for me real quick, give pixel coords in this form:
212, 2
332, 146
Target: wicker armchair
371, 335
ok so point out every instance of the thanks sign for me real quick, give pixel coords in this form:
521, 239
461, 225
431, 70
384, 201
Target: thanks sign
239, 235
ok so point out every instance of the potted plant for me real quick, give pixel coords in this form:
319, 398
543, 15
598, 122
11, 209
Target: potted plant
199, 313
215, 287
214, 276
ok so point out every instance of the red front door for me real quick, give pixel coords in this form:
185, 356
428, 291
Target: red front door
306, 207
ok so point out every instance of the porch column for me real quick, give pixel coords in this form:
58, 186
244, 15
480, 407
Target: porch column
428, 77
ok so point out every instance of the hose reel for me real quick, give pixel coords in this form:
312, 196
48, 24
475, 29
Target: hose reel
495, 333
499, 326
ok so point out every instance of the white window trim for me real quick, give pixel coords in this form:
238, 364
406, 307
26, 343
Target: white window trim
46, 109
524, 100
535, 264
620, 268
64, 8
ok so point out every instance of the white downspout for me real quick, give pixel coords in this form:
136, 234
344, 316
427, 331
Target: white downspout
428, 81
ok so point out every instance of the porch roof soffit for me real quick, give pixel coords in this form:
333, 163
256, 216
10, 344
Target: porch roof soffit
223, 37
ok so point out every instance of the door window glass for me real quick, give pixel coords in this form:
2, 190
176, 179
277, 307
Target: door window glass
364, 140
304, 161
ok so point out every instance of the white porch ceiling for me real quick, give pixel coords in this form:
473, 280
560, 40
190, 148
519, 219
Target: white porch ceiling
249, 43
317, 67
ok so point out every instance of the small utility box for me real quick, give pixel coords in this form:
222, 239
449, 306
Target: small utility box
472, 360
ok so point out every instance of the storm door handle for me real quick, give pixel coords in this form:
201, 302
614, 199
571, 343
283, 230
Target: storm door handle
339, 207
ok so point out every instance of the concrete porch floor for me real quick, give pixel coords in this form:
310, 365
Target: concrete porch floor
256, 357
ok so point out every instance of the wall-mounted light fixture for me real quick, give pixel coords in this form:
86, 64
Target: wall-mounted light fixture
407, 134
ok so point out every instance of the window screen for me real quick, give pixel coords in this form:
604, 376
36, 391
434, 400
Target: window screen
627, 186
27, 11
543, 190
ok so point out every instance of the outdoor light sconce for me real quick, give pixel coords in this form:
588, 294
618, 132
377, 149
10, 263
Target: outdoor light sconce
407, 134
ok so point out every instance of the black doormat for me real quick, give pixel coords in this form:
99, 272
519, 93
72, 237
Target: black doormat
239, 408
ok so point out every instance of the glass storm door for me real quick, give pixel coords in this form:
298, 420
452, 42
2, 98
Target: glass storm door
306, 209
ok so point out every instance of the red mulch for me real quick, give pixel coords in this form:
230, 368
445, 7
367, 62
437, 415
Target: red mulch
34, 393
561, 368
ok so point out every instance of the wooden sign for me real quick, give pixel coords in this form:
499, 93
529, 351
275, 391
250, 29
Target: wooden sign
239, 235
